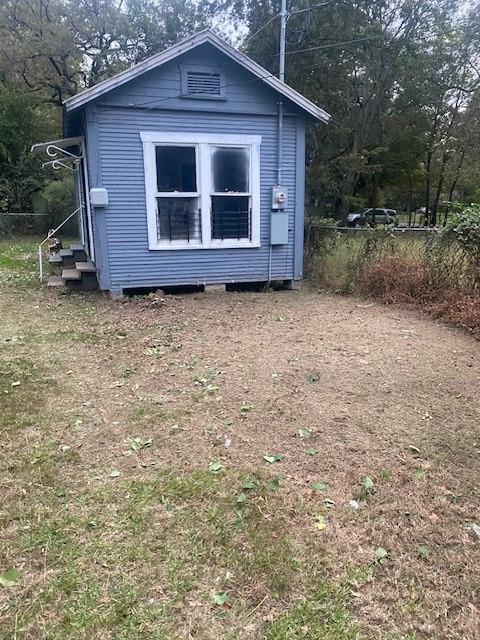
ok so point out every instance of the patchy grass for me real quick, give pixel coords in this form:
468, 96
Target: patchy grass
18, 258
130, 559
235, 519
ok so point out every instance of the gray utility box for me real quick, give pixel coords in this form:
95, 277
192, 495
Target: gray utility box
99, 197
279, 228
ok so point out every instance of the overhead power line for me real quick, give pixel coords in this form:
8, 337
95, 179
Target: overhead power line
261, 29
291, 13
315, 6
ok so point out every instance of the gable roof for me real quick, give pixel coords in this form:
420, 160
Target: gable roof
202, 37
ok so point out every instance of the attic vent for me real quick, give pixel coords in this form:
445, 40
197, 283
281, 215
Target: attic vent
206, 83
203, 82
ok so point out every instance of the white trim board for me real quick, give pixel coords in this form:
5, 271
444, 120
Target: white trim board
202, 37
201, 141
234, 139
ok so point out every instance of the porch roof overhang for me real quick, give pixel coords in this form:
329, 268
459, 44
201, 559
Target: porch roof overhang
63, 143
61, 151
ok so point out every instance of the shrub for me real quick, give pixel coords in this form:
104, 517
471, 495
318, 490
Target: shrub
396, 278
463, 229
464, 225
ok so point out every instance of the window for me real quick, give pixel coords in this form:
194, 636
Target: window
202, 190
230, 197
178, 213
203, 82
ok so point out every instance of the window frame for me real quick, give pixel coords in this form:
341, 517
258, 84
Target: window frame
203, 143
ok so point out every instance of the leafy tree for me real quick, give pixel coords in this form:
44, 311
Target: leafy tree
59, 47
20, 172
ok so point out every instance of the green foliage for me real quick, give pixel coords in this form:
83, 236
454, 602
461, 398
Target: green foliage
55, 202
20, 172
464, 226
327, 222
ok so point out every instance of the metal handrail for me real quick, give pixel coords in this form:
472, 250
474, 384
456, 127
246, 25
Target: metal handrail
50, 235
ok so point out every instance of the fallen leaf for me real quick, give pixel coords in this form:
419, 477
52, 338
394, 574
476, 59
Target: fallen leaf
274, 484
220, 598
215, 467
381, 554
368, 485
275, 457
320, 523
304, 433
136, 444
320, 486
115, 473
311, 452
246, 407
414, 449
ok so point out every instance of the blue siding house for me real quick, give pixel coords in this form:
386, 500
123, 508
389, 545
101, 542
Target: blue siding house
191, 170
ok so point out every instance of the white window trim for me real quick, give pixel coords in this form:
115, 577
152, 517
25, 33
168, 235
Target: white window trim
151, 139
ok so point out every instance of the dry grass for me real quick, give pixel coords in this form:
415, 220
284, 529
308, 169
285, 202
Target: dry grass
432, 274
343, 389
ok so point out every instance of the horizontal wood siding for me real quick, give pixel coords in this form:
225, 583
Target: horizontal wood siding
124, 221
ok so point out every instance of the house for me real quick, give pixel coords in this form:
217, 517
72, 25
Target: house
190, 171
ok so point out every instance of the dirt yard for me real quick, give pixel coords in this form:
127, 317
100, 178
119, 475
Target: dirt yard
238, 466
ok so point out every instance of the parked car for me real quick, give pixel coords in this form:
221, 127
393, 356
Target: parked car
372, 217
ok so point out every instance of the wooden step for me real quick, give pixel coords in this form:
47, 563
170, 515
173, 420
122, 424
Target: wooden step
71, 274
78, 252
85, 267
55, 282
66, 253
55, 258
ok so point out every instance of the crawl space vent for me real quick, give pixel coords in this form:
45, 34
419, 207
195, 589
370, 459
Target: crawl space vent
204, 83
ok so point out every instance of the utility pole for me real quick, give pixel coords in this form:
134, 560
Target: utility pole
283, 27
281, 76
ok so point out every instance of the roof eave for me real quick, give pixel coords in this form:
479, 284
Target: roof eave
182, 47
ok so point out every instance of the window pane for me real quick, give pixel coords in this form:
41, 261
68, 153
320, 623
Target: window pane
230, 217
178, 219
176, 169
230, 169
